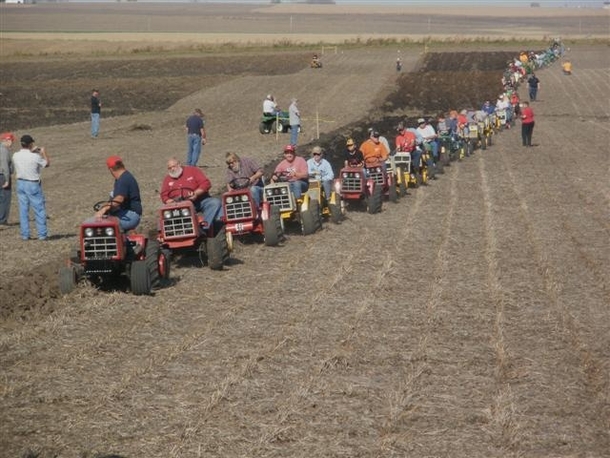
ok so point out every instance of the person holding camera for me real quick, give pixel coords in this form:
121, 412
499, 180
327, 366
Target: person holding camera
28, 163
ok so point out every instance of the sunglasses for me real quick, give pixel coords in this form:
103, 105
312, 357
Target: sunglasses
316, 154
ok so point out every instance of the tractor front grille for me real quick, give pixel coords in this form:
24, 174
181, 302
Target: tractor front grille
351, 182
100, 247
280, 197
238, 209
178, 226
376, 174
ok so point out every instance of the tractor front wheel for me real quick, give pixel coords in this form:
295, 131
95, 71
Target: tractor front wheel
68, 278
272, 227
140, 281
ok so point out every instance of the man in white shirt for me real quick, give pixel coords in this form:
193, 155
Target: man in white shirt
28, 163
269, 106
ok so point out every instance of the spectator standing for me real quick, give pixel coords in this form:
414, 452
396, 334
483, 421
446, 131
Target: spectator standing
125, 203
189, 182
96, 110
295, 122
533, 85
320, 169
195, 136
29, 162
244, 167
527, 124
6, 170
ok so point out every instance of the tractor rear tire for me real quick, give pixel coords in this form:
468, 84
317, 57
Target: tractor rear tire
375, 201
68, 278
403, 188
314, 207
217, 250
309, 221
393, 193
139, 277
157, 263
264, 128
272, 227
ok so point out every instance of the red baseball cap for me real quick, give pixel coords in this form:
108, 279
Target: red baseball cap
7, 136
112, 161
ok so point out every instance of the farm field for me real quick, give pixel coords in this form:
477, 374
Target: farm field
470, 319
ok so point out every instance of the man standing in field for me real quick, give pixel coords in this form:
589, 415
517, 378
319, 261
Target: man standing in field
195, 137
533, 84
295, 122
6, 169
29, 162
96, 108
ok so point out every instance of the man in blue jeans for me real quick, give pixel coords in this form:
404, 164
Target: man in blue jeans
28, 163
126, 203
196, 137
295, 122
96, 109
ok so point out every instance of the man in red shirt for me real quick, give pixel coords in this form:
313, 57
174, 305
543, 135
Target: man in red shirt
184, 182
527, 124
295, 169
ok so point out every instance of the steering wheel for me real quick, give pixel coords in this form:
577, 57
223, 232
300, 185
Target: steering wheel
282, 177
98, 205
239, 183
179, 194
370, 162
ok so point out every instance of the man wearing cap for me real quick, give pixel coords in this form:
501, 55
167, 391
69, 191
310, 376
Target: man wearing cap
428, 134
374, 151
29, 162
406, 142
269, 106
126, 203
189, 182
353, 156
6, 169
294, 168
195, 136
320, 169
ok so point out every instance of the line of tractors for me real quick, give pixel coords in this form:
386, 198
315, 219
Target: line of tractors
106, 255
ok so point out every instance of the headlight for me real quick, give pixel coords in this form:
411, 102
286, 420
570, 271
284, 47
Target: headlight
378, 170
230, 200
89, 232
185, 212
284, 190
244, 197
109, 231
167, 214
345, 175
269, 192
356, 175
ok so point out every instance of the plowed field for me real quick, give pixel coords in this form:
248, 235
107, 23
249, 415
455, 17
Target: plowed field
470, 319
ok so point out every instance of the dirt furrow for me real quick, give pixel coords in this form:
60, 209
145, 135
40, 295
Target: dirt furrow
571, 343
